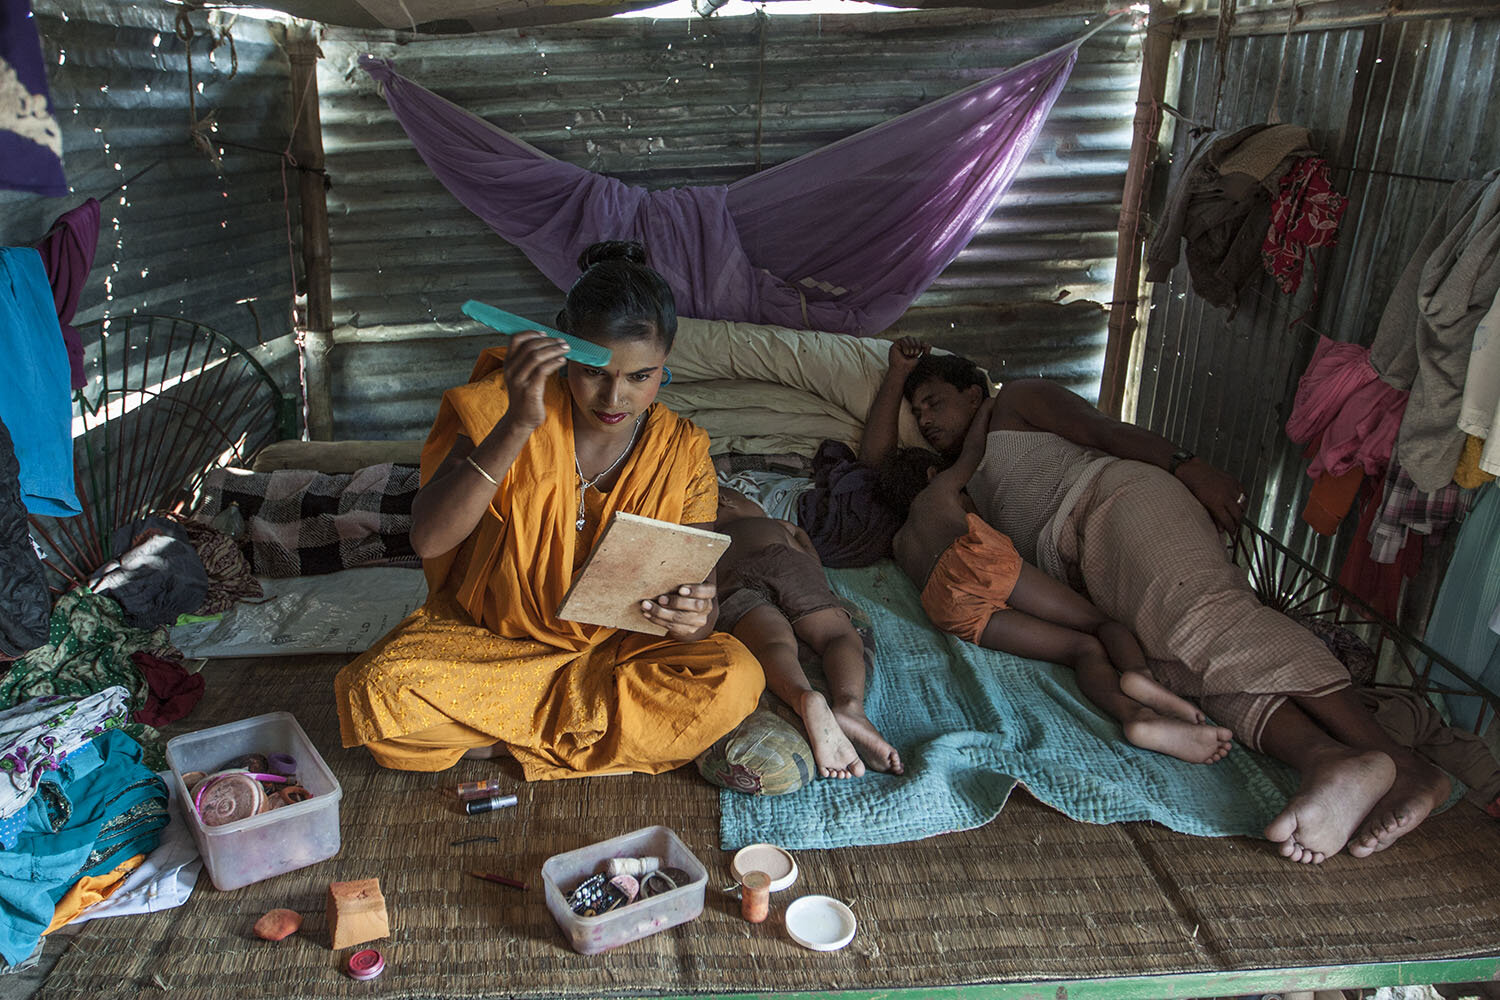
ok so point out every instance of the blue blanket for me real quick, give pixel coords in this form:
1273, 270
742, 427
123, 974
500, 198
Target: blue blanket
970, 723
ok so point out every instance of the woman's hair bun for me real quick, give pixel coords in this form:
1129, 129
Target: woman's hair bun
598, 253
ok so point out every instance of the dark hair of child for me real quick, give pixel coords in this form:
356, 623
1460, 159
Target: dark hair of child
902, 475
617, 297
954, 369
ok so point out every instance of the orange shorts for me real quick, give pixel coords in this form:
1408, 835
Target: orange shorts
972, 580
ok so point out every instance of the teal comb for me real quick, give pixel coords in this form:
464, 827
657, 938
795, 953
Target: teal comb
582, 351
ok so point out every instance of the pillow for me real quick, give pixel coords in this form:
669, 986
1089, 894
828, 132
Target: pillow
763, 755
335, 457
302, 523
767, 754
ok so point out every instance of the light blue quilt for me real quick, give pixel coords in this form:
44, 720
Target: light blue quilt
970, 723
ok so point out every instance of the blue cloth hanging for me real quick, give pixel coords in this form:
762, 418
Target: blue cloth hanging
1460, 623
36, 384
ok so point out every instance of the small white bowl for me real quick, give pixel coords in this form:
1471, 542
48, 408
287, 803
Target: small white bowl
821, 923
775, 861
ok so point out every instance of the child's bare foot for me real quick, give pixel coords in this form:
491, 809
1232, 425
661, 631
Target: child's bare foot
1334, 798
1142, 687
1418, 790
832, 751
857, 726
1196, 744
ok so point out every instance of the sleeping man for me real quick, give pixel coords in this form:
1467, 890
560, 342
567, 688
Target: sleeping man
975, 585
1125, 517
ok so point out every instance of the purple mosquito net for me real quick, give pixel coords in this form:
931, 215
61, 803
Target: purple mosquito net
840, 239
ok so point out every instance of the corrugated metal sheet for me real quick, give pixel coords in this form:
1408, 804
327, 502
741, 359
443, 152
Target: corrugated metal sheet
662, 103
1400, 111
187, 238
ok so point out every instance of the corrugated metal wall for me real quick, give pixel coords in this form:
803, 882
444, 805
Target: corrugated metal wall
187, 238
1400, 110
662, 103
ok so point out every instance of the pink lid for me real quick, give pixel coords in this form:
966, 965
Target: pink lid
366, 964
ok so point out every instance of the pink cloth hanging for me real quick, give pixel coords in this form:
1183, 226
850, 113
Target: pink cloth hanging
1342, 397
841, 239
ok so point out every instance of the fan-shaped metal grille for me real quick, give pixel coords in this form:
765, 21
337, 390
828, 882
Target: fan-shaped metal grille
1290, 584
166, 400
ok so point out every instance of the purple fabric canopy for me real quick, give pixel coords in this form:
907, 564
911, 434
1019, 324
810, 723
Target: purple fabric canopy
841, 239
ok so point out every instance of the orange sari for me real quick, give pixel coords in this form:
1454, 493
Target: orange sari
487, 660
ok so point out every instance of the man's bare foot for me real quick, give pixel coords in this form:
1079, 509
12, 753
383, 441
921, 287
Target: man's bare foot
857, 726
1418, 790
1196, 744
1335, 796
1142, 687
487, 753
832, 751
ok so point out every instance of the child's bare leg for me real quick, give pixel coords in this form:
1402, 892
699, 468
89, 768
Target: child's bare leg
830, 633
1015, 631
766, 633
1135, 677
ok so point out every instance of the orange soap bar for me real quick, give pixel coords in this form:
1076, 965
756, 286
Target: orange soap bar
356, 913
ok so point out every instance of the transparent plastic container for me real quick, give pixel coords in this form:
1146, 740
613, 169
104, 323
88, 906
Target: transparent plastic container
269, 843
561, 874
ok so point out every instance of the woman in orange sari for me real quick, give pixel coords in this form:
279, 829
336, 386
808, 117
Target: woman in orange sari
524, 466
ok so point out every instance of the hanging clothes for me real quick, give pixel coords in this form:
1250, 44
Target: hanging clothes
30, 140
35, 397
1351, 419
1378, 584
68, 254
1221, 205
1342, 398
1406, 508
1426, 333
1470, 593
1304, 216
25, 602
1479, 412
840, 239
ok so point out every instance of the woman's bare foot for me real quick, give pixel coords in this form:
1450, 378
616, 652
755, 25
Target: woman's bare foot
857, 726
1418, 790
832, 751
1335, 796
487, 753
1189, 741
1140, 686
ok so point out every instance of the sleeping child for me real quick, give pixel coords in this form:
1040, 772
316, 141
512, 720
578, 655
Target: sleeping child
976, 586
772, 592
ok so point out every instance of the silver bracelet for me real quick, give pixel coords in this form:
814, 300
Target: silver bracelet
480, 469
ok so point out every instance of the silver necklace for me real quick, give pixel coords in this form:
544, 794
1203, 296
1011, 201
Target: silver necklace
584, 484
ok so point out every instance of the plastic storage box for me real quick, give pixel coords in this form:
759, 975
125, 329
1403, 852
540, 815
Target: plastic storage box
561, 874
269, 843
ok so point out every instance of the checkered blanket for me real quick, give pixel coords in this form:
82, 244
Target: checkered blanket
303, 523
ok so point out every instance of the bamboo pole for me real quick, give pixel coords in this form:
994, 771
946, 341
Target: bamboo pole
1125, 302
315, 339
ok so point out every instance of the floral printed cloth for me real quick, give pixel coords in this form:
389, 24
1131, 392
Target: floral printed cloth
36, 735
1305, 215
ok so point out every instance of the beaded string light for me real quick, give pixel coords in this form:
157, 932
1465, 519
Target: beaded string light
584, 484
